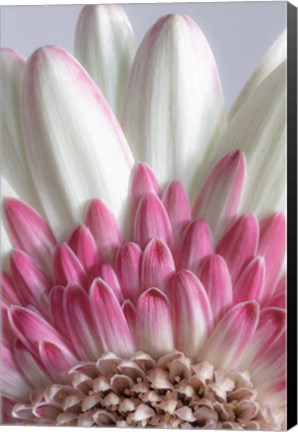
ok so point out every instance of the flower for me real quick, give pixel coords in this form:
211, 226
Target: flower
153, 312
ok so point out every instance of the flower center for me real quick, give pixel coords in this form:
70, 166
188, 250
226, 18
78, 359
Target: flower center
171, 392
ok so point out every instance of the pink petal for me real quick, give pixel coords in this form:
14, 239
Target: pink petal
67, 267
272, 247
272, 324
152, 221
110, 321
274, 392
104, 228
13, 382
8, 290
56, 308
282, 285
143, 182
250, 285
29, 232
106, 272
154, 332
31, 282
176, 202
157, 265
239, 244
57, 360
128, 268
7, 332
192, 316
279, 299
269, 373
30, 366
84, 246
30, 328
195, 243
219, 197
216, 279
232, 335
7, 405
129, 311
80, 324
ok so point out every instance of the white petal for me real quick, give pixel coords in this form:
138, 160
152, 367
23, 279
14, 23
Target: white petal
75, 147
173, 109
14, 167
259, 130
6, 246
104, 45
274, 57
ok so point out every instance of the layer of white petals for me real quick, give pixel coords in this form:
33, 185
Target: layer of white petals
14, 167
104, 45
259, 131
276, 55
75, 148
6, 191
174, 110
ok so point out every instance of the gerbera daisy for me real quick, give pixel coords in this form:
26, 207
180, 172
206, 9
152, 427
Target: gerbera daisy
144, 282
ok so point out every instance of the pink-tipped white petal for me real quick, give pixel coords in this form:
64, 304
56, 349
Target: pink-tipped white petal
31, 328
216, 279
84, 246
104, 228
232, 335
176, 203
29, 232
13, 382
157, 265
272, 246
219, 198
271, 326
174, 101
143, 181
259, 131
192, 316
8, 290
57, 360
276, 55
57, 92
152, 221
110, 322
80, 324
30, 366
14, 167
67, 267
31, 283
239, 244
106, 272
251, 283
128, 268
104, 45
154, 332
195, 243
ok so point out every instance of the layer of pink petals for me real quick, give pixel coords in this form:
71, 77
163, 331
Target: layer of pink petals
165, 290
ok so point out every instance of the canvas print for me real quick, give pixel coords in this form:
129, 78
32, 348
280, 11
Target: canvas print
143, 231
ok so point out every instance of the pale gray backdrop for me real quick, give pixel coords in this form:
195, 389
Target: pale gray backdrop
239, 33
